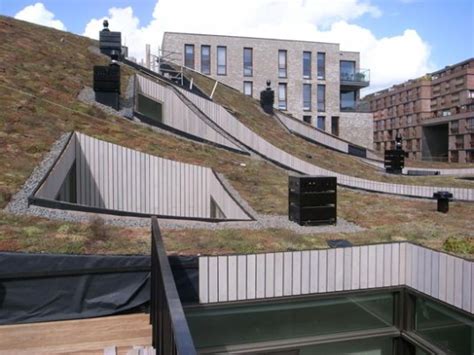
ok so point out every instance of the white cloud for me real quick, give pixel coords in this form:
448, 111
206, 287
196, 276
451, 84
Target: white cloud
40, 15
390, 59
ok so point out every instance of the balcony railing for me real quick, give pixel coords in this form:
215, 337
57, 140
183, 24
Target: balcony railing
355, 106
360, 78
170, 330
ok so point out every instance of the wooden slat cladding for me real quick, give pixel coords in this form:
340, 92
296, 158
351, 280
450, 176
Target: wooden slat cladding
116, 178
51, 186
250, 139
267, 275
312, 134
178, 115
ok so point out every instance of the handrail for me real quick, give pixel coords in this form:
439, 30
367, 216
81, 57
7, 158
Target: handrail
170, 331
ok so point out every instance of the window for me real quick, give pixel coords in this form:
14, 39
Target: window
282, 96
454, 126
449, 330
459, 142
321, 98
307, 119
248, 89
221, 60
306, 65
335, 125
321, 65
248, 62
189, 55
150, 108
282, 64
298, 319
206, 59
348, 100
470, 124
321, 123
454, 156
307, 97
347, 68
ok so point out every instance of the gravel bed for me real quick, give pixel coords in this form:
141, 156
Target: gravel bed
19, 202
87, 95
261, 222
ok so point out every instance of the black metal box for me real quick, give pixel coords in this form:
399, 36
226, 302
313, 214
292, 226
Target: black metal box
107, 78
394, 161
312, 200
110, 41
111, 99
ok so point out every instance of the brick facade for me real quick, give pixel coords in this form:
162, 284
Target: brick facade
441, 99
265, 67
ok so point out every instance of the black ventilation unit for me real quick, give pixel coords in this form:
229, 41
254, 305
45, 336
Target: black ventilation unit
394, 161
267, 99
110, 41
312, 200
107, 85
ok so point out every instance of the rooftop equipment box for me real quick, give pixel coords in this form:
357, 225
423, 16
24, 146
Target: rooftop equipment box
107, 78
312, 200
110, 41
394, 161
107, 85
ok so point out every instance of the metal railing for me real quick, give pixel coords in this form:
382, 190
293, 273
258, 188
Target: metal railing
170, 331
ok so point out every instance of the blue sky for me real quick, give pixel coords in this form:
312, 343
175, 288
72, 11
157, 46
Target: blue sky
447, 25
443, 30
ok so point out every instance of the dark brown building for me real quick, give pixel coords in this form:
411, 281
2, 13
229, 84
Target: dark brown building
434, 114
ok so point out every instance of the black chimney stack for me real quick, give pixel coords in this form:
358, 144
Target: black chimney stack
267, 99
110, 41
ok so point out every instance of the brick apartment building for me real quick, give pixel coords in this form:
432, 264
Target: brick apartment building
315, 82
434, 114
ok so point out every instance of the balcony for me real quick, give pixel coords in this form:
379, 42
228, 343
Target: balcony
355, 106
360, 79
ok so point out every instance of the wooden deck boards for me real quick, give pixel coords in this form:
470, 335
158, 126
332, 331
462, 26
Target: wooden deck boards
88, 336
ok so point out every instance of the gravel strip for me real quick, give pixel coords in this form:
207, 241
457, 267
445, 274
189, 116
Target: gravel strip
19, 202
262, 222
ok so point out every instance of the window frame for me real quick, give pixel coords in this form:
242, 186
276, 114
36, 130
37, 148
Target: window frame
285, 86
209, 59
307, 76
251, 88
225, 60
309, 107
318, 67
321, 99
321, 118
188, 45
283, 66
244, 67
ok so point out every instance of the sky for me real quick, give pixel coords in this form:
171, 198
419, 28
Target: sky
397, 39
